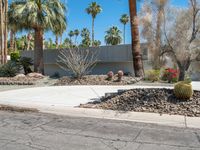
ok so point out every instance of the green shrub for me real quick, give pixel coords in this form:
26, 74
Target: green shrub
152, 75
26, 63
10, 69
15, 56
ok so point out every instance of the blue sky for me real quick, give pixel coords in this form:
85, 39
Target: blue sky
112, 10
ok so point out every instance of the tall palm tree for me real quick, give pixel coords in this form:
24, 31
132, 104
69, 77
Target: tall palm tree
136, 51
3, 30
86, 41
76, 33
113, 36
58, 31
71, 34
85, 33
124, 20
40, 16
97, 43
93, 9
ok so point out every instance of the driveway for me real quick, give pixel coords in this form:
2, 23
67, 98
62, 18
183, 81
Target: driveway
37, 131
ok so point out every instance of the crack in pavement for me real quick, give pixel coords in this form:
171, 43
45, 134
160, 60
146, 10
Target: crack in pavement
198, 137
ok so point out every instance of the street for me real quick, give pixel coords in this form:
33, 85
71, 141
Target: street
37, 131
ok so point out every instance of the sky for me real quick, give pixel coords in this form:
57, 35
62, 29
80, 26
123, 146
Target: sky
77, 18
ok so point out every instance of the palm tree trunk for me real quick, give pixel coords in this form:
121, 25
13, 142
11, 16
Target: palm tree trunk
5, 31
136, 52
124, 34
11, 40
38, 51
28, 41
1, 32
56, 41
92, 31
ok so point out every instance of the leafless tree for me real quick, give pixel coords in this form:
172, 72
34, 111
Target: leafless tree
152, 18
183, 38
77, 61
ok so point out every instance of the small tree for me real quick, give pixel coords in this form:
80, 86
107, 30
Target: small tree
183, 38
77, 61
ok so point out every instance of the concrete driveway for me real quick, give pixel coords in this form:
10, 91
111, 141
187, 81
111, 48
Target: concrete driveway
68, 96
35, 131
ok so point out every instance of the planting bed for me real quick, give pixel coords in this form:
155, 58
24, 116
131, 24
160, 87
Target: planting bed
97, 80
161, 101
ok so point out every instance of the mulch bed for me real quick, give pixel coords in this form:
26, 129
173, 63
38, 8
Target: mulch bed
161, 101
97, 80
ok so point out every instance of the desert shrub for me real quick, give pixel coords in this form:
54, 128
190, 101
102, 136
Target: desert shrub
26, 63
152, 75
10, 69
15, 56
170, 75
56, 75
77, 61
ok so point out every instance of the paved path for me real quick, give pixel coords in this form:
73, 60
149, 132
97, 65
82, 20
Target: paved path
36, 131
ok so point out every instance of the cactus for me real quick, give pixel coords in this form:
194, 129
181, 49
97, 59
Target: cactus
110, 75
120, 74
183, 90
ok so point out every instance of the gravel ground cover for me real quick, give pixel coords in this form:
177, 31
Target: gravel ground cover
97, 80
161, 101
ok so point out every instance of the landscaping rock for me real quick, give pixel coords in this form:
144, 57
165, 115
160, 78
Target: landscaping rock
161, 101
35, 75
20, 76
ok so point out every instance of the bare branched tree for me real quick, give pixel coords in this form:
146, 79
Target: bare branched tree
183, 40
152, 18
77, 61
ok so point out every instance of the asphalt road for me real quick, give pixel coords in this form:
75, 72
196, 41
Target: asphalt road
36, 131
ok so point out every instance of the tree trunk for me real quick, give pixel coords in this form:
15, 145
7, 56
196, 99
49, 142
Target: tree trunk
182, 74
136, 52
124, 34
29, 37
1, 33
38, 51
156, 64
5, 31
92, 31
56, 41
11, 40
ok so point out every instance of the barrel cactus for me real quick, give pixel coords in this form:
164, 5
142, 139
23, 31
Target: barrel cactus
183, 90
110, 75
120, 74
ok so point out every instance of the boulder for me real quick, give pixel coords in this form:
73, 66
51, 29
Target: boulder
20, 76
35, 75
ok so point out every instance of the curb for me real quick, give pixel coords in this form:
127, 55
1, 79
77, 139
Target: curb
143, 117
165, 119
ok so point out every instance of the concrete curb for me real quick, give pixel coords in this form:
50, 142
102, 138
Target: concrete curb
154, 118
